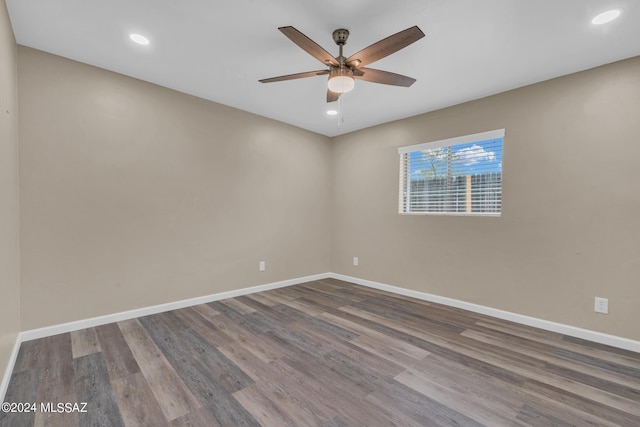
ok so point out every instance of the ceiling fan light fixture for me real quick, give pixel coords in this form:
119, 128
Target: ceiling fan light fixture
341, 80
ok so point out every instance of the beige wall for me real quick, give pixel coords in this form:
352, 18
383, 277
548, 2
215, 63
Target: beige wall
135, 195
570, 228
9, 202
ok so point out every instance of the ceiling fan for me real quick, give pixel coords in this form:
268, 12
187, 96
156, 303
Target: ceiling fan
342, 71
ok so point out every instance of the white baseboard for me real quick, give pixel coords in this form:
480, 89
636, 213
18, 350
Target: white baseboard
547, 325
12, 361
47, 331
33, 334
573, 331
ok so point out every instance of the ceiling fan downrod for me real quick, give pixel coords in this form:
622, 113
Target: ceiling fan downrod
340, 36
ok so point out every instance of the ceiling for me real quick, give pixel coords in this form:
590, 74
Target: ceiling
218, 50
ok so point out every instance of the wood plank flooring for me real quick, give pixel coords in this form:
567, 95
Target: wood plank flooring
325, 353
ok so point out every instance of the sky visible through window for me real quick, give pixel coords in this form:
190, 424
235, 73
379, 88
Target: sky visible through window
472, 158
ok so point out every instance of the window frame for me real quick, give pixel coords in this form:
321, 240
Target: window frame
449, 142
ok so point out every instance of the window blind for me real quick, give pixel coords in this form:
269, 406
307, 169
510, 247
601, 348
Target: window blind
456, 176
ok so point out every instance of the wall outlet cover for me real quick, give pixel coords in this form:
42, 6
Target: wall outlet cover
601, 305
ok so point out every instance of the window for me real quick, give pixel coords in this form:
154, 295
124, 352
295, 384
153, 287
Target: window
457, 176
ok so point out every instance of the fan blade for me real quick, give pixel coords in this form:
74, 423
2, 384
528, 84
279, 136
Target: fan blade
385, 47
294, 76
309, 46
385, 77
332, 96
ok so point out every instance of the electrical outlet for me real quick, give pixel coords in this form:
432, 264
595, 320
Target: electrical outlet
602, 305
262, 266
355, 261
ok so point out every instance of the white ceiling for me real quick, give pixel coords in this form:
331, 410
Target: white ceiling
219, 49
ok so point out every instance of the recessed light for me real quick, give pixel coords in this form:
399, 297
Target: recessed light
332, 112
140, 39
605, 17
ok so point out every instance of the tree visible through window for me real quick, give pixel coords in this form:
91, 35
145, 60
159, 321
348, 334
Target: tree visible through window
455, 176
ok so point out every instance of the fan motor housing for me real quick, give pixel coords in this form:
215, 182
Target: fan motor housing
340, 36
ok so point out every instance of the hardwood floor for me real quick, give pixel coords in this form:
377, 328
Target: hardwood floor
326, 353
